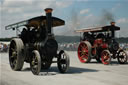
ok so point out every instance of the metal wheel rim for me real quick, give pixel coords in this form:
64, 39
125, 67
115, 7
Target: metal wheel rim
105, 57
122, 56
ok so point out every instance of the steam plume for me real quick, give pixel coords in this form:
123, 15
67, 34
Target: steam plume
106, 17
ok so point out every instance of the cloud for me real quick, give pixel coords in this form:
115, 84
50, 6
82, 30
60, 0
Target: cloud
77, 22
18, 10
31, 6
122, 20
13, 11
84, 11
63, 4
117, 6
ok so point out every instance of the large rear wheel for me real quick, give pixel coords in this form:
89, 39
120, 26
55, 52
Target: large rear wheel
84, 52
122, 57
16, 58
35, 63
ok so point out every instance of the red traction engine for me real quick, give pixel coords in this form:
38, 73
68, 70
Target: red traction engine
100, 44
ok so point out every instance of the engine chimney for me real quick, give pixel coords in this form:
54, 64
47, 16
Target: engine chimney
112, 29
49, 19
112, 23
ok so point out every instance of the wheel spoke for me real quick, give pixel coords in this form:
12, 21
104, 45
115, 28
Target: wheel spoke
35, 67
12, 49
124, 54
11, 63
85, 57
14, 63
12, 57
36, 63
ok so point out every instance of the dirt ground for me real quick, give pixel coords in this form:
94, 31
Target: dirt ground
78, 74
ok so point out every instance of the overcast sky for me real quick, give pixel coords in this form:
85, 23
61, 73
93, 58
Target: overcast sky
76, 13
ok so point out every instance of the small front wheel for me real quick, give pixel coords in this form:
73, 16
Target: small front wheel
105, 57
35, 62
122, 57
63, 62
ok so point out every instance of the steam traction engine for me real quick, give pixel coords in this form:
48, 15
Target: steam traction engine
99, 43
36, 44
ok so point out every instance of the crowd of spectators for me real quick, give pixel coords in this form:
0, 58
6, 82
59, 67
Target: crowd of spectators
68, 46
124, 46
4, 47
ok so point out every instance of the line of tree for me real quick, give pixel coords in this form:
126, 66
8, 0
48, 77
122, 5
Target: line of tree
5, 39
72, 39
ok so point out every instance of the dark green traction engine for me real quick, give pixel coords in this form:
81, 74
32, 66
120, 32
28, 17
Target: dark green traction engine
36, 44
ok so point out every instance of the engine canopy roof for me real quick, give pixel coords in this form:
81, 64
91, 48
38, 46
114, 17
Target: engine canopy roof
36, 21
99, 29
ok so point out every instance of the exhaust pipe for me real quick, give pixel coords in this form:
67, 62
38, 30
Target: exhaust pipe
49, 19
112, 29
112, 23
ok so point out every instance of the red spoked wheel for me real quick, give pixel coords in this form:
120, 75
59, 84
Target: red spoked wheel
84, 52
105, 57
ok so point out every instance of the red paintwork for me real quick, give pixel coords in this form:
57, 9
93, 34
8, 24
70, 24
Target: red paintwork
98, 41
94, 51
104, 45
